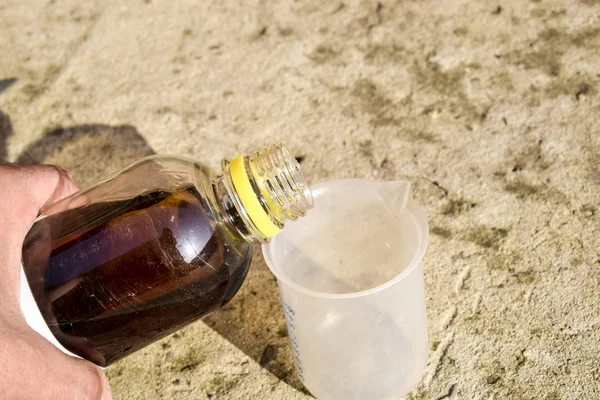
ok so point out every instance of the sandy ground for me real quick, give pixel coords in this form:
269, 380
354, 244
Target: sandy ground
490, 109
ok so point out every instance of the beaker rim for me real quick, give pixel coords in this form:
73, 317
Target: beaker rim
423, 236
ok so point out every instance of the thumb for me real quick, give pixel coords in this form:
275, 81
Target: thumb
28, 189
25, 190
36, 185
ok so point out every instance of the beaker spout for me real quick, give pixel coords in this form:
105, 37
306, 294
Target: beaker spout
395, 195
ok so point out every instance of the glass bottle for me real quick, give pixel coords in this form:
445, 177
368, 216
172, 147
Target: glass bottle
154, 247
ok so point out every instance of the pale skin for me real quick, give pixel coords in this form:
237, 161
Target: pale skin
33, 368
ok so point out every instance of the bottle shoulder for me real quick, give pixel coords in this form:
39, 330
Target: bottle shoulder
206, 187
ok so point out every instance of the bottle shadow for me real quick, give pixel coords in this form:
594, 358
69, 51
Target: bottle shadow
254, 322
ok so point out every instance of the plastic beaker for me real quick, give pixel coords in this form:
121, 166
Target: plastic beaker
350, 276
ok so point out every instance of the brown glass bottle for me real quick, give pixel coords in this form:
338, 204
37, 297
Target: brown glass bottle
112, 272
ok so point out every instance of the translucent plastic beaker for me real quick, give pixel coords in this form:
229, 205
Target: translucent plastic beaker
350, 276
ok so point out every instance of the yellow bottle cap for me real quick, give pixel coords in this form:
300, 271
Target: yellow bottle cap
249, 199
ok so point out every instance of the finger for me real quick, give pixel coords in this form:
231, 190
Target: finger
30, 188
77, 379
80, 379
24, 191
57, 376
88, 382
77, 200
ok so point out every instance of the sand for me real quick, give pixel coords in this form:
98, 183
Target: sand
489, 109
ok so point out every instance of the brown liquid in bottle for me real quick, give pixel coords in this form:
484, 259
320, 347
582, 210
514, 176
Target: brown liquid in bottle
112, 277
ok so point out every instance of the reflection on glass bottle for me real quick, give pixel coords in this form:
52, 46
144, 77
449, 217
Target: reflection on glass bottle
155, 247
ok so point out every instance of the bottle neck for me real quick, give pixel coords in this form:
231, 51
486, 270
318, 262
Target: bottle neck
259, 192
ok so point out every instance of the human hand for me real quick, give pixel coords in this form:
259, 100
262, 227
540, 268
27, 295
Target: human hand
32, 367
